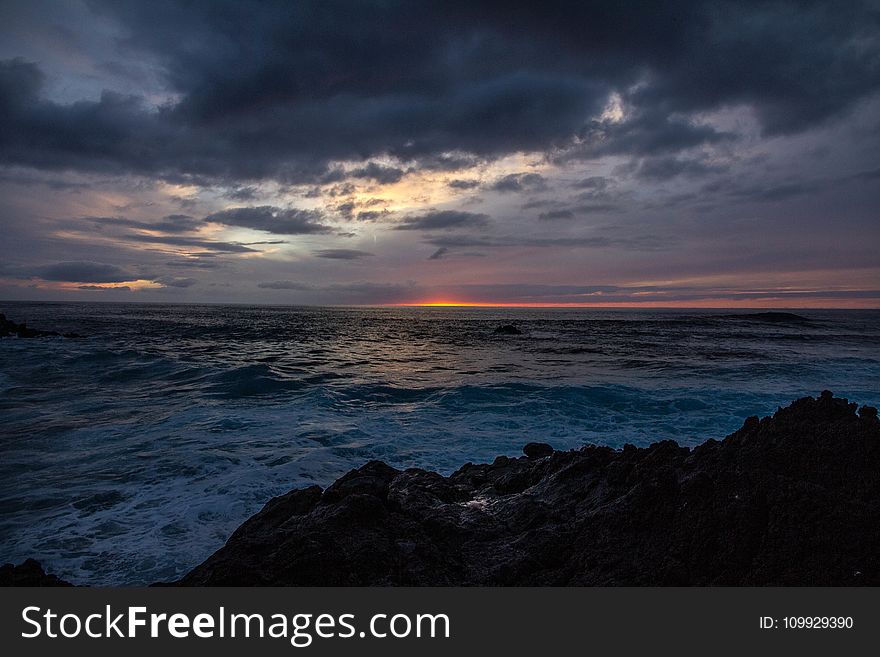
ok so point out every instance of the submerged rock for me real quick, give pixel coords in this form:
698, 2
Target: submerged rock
508, 329
788, 500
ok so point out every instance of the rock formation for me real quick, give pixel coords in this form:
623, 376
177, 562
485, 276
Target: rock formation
788, 500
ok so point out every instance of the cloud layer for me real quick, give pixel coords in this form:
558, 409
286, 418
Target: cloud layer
348, 151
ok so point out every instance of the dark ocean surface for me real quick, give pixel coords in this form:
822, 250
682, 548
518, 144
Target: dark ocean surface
129, 455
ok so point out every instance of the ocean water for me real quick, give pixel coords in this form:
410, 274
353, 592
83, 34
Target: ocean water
130, 455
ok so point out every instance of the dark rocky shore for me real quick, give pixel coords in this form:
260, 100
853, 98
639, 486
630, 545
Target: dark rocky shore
788, 500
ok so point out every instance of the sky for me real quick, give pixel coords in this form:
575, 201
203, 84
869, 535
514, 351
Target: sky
717, 154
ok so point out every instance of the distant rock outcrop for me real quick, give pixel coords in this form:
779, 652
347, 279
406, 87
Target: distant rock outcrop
788, 500
8, 328
508, 329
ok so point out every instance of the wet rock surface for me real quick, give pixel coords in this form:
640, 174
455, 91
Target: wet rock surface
788, 500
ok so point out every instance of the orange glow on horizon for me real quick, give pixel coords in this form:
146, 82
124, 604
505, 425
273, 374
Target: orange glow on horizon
770, 302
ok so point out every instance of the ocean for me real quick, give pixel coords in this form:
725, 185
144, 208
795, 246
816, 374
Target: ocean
131, 454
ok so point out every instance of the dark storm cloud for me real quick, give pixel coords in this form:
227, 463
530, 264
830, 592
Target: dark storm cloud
342, 254
282, 90
519, 182
272, 220
443, 220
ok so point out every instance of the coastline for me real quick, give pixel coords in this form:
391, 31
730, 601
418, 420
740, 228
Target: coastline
790, 499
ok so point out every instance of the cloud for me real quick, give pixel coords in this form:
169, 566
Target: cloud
342, 254
553, 215
439, 253
636, 243
459, 183
443, 220
185, 241
102, 288
244, 193
271, 219
174, 223
288, 92
283, 285
520, 182
381, 174
83, 272
668, 167
596, 183
171, 281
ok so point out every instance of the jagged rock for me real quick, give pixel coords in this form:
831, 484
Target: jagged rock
537, 450
788, 500
28, 573
508, 329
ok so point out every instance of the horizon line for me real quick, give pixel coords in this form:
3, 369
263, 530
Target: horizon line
440, 305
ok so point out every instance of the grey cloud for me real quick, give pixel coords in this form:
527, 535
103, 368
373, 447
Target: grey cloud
556, 214
283, 285
379, 173
246, 193
83, 272
171, 281
342, 254
439, 253
271, 219
184, 241
286, 91
459, 183
598, 183
520, 182
99, 288
174, 223
636, 243
443, 220
668, 167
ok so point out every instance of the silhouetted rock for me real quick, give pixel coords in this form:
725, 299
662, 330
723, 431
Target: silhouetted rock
537, 450
29, 573
788, 500
508, 329
8, 328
